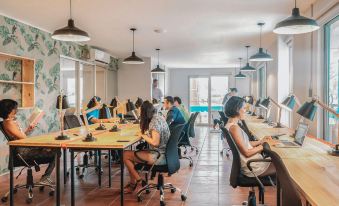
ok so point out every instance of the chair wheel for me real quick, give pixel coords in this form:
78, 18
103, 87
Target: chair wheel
106, 156
183, 197
162, 203
77, 169
67, 174
4, 199
41, 189
81, 176
139, 199
191, 164
29, 200
173, 190
192, 148
15, 190
148, 191
185, 152
51, 193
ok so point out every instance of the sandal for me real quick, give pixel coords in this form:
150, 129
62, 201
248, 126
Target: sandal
129, 188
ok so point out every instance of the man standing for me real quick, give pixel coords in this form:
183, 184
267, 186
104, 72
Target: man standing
156, 92
174, 115
231, 93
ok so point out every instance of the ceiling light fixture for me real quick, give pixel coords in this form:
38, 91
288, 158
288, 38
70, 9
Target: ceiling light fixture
158, 69
261, 56
296, 24
133, 59
240, 75
70, 32
248, 68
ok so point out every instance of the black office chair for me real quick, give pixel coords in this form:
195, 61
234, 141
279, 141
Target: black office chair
172, 166
19, 161
237, 179
72, 121
286, 185
184, 140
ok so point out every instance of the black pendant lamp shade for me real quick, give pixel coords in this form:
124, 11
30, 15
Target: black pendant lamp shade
70, 32
63, 102
130, 106
296, 24
133, 59
247, 67
261, 56
240, 75
308, 110
265, 103
158, 69
138, 103
289, 103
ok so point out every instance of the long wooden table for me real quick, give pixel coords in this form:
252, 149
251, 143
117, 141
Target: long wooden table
104, 140
314, 172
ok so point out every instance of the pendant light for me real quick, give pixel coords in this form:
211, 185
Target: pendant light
240, 75
133, 59
70, 32
261, 56
157, 69
296, 24
247, 68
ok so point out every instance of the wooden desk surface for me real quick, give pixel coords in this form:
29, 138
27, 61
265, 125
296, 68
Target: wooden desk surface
315, 173
105, 138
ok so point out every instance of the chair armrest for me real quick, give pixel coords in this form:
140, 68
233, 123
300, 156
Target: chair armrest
256, 160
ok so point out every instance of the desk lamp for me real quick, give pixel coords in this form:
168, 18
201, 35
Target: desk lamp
61, 105
260, 111
89, 137
266, 103
308, 110
249, 100
104, 113
113, 104
257, 104
289, 102
130, 107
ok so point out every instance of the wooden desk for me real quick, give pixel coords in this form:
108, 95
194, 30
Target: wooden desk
315, 173
110, 141
105, 140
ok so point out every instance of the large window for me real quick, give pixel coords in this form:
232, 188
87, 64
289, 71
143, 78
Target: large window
332, 77
262, 81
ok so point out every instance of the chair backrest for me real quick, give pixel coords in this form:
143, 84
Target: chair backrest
236, 163
223, 117
191, 130
172, 156
71, 121
8, 138
289, 191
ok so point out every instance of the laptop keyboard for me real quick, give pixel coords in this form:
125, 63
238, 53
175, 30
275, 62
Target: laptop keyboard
289, 143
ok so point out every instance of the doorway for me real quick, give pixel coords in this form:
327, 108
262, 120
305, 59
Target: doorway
205, 96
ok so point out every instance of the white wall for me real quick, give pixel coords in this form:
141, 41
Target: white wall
178, 81
134, 80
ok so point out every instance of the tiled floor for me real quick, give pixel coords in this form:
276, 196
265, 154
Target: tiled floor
206, 183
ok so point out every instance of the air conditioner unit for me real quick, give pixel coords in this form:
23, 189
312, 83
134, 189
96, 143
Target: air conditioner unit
101, 57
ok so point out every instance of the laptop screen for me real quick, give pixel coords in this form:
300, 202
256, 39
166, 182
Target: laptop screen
301, 133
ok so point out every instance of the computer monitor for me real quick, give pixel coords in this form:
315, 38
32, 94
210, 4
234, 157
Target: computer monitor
301, 133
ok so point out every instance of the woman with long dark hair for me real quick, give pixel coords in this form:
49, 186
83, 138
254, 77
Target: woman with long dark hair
155, 131
235, 111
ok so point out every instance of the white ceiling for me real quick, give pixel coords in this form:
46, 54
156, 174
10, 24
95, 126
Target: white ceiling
200, 33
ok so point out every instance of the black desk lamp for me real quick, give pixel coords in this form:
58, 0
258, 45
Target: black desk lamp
266, 103
308, 110
61, 105
130, 107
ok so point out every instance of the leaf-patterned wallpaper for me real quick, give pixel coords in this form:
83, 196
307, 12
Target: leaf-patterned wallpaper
24, 40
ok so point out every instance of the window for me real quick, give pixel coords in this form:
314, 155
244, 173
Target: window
262, 81
332, 77
77, 80
285, 78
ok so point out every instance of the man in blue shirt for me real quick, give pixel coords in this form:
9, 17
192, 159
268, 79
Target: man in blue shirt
93, 116
174, 115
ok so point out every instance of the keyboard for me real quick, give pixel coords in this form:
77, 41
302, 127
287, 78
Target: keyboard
289, 143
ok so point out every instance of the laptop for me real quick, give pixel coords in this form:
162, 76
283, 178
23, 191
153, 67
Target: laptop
298, 138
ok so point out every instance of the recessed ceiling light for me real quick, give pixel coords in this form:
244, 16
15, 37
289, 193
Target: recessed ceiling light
160, 30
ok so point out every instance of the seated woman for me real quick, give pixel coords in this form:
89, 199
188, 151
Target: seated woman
155, 131
93, 116
235, 110
8, 111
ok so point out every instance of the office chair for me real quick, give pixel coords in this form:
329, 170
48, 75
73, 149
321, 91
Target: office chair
19, 161
72, 121
223, 122
237, 179
285, 184
184, 139
172, 166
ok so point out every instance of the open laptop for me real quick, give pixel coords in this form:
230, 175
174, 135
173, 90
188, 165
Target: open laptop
298, 138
